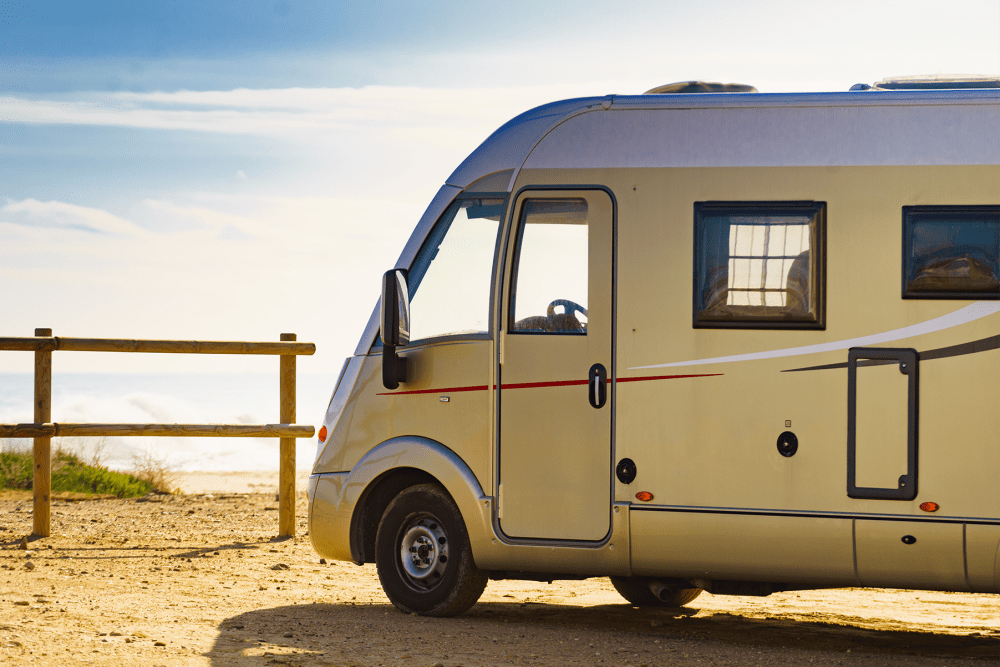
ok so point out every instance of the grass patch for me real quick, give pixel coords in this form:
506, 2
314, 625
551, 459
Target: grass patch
70, 474
155, 472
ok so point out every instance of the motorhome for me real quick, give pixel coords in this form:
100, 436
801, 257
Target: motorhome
692, 341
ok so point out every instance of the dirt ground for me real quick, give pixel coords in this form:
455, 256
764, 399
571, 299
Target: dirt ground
202, 580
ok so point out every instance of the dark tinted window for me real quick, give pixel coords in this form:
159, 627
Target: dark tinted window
759, 264
951, 252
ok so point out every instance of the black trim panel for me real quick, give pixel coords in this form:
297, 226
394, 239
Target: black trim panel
909, 365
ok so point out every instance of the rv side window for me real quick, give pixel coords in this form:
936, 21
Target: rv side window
450, 279
549, 294
759, 264
951, 252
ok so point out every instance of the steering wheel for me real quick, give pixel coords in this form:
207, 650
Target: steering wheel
568, 307
557, 321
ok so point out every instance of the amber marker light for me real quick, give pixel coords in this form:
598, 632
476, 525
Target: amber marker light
644, 496
322, 434
929, 507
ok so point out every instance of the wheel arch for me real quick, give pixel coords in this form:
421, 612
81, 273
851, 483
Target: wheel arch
400, 463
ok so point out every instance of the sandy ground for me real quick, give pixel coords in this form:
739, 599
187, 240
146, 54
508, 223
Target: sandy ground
201, 580
234, 482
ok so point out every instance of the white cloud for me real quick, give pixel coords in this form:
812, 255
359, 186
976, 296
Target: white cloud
62, 215
204, 219
292, 111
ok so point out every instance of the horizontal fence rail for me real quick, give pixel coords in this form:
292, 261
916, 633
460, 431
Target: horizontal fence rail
167, 430
42, 430
52, 343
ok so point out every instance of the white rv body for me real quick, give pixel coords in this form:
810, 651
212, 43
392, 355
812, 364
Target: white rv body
746, 445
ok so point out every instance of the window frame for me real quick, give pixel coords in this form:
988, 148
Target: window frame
912, 214
816, 209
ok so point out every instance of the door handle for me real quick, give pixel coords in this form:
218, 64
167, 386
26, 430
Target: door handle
598, 386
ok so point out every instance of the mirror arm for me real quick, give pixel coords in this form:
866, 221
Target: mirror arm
393, 367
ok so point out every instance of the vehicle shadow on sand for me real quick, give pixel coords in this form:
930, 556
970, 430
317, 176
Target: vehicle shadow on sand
508, 633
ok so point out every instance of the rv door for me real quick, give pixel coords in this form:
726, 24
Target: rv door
556, 376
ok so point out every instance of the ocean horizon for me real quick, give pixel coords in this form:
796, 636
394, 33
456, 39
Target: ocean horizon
171, 398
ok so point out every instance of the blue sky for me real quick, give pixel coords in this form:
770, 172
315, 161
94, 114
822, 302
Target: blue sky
116, 45
233, 170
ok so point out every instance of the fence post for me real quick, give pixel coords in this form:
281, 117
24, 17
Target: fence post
286, 468
42, 481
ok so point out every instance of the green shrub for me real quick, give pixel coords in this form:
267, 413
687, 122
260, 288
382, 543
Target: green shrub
16, 470
69, 475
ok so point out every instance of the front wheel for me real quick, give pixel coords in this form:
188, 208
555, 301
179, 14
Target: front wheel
423, 555
637, 591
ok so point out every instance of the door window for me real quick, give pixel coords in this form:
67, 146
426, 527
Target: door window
549, 294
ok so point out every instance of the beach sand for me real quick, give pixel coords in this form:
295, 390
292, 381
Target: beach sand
265, 482
203, 580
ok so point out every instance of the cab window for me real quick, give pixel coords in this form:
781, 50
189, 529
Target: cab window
450, 280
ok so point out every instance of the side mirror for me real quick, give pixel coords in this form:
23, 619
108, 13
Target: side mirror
395, 322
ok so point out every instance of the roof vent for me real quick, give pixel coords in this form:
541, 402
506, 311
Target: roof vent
932, 82
700, 87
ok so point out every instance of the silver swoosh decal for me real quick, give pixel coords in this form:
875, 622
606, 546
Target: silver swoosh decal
971, 313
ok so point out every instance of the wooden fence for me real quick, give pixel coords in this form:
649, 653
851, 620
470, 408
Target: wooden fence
42, 430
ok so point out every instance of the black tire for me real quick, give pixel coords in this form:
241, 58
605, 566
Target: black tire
423, 555
636, 590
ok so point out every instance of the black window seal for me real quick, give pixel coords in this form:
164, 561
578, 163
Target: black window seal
943, 209
820, 212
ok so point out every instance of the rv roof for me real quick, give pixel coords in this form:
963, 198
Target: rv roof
932, 82
746, 129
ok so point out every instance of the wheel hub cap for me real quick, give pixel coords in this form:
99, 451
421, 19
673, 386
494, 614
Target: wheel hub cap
423, 551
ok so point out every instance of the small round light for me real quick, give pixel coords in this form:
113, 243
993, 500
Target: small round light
322, 434
929, 507
644, 496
